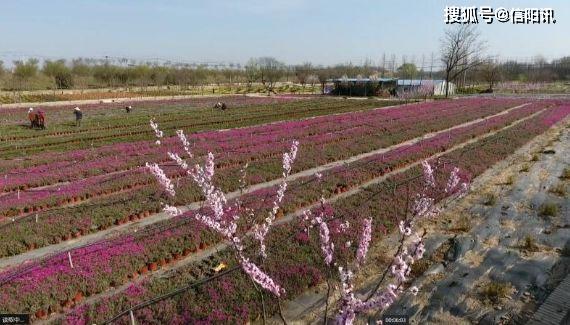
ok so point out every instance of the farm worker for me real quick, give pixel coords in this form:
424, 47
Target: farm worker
31, 116
78, 116
128, 108
41, 117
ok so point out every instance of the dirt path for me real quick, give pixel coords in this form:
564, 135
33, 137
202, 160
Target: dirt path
110, 100
154, 218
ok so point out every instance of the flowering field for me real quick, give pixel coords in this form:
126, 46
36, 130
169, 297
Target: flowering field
70, 185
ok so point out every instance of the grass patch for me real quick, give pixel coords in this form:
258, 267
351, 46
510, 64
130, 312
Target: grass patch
558, 189
494, 291
548, 209
420, 267
525, 168
490, 199
463, 224
565, 173
535, 157
529, 244
510, 180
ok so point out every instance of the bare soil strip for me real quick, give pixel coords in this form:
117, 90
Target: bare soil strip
110, 100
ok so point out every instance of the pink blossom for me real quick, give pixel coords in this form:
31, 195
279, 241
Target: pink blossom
185, 143
216, 200
453, 180
260, 231
289, 158
261, 278
428, 173
172, 210
162, 178
404, 230
326, 245
414, 290
344, 226
364, 241
319, 176
157, 132
350, 303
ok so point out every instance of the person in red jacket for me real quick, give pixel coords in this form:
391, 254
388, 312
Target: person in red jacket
31, 117
41, 119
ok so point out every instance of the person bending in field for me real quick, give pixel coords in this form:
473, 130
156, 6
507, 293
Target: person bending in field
220, 105
78, 116
31, 117
41, 119
128, 108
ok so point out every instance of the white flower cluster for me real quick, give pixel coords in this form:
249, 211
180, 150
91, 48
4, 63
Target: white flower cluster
157, 132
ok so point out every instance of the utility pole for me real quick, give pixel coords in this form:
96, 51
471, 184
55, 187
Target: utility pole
383, 64
422, 69
431, 67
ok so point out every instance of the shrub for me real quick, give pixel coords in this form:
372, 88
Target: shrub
529, 244
490, 199
494, 291
535, 157
64, 80
525, 168
548, 209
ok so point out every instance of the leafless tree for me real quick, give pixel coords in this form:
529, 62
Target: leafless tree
252, 72
490, 73
461, 50
323, 75
312, 79
271, 71
302, 72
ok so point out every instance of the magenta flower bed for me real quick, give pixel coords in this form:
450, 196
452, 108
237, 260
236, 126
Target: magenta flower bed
239, 145
186, 235
220, 301
357, 133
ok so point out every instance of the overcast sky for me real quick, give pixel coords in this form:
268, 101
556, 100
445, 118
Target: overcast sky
323, 32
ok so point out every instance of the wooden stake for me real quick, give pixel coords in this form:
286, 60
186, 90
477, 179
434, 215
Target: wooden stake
132, 317
70, 261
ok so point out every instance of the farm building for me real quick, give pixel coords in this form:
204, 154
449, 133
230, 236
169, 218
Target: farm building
384, 86
362, 86
437, 86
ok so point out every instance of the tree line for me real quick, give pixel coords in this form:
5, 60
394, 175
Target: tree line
464, 67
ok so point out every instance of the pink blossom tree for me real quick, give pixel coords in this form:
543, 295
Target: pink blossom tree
225, 216
411, 248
